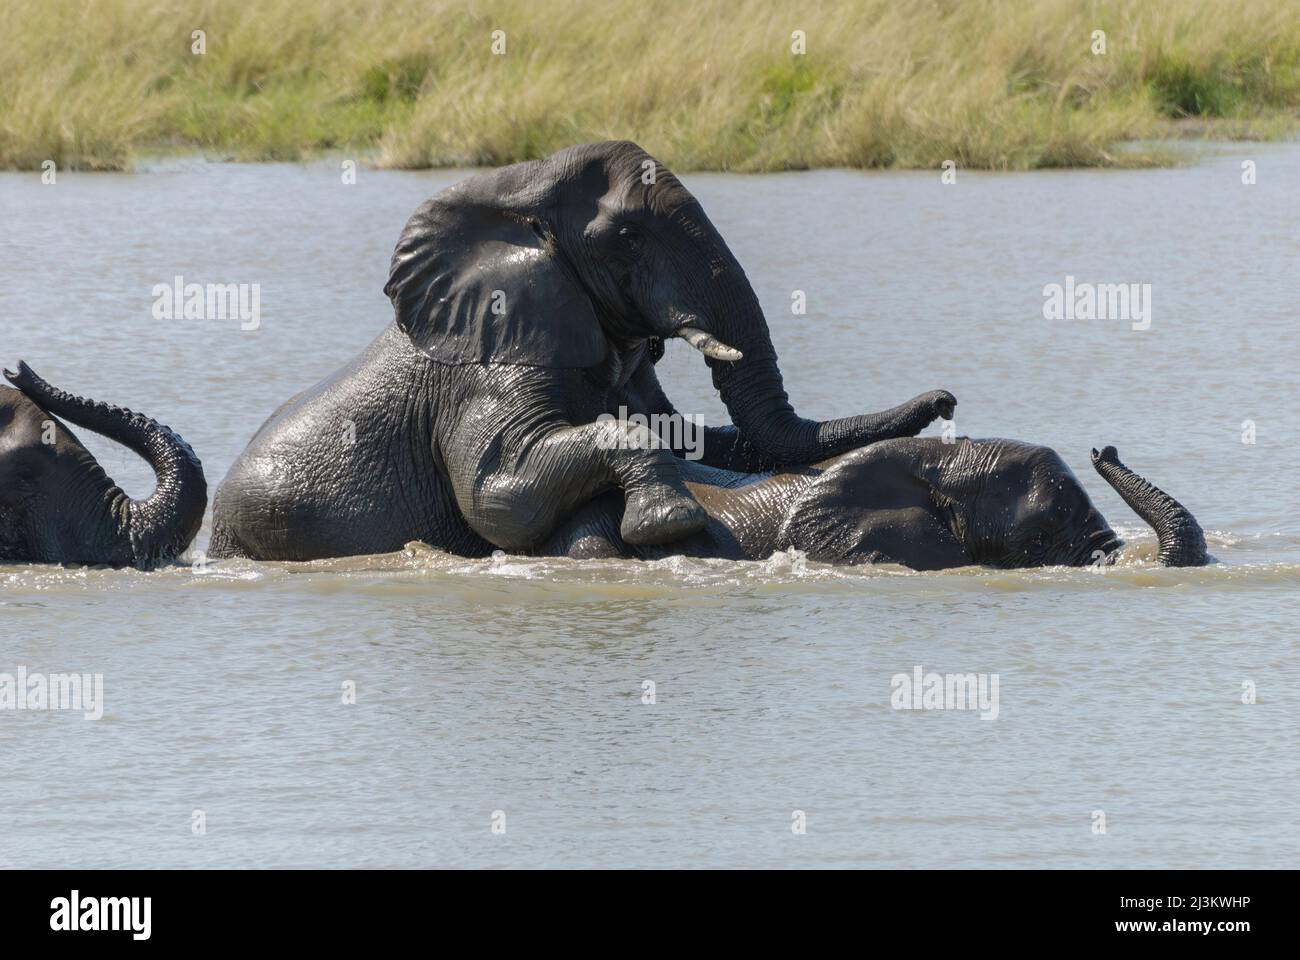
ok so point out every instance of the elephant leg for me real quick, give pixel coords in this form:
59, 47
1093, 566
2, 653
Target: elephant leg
514, 493
590, 532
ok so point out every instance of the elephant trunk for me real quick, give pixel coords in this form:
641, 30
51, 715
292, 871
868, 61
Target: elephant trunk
159, 527
724, 320
1182, 543
753, 391
754, 394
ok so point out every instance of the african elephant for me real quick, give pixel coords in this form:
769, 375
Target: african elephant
57, 505
922, 503
529, 301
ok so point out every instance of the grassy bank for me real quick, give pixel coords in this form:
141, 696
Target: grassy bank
702, 84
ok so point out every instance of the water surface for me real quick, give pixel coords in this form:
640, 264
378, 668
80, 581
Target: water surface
516, 685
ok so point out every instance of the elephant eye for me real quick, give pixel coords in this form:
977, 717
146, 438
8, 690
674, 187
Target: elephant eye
631, 240
535, 225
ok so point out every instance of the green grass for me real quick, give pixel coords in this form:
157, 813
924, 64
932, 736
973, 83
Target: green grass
1225, 85
703, 84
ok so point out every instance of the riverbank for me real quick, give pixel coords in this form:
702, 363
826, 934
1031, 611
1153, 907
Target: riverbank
704, 85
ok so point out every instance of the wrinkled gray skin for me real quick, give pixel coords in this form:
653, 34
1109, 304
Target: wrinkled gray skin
57, 505
918, 502
530, 300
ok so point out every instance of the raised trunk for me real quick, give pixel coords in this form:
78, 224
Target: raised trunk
1182, 544
754, 392
721, 316
755, 396
161, 526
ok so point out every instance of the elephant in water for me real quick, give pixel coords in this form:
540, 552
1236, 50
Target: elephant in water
57, 505
530, 300
922, 503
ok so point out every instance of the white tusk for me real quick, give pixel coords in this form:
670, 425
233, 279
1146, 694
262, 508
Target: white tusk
708, 344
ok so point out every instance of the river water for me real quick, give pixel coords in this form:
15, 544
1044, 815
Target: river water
501, 714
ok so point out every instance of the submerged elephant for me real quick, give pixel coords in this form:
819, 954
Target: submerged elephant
922, 503
529, 301
57, 505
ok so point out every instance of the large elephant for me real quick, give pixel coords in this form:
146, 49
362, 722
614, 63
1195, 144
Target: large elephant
923, 503
529, 301
57, 505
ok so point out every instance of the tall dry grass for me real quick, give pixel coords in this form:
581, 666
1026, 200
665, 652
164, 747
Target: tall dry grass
704, 84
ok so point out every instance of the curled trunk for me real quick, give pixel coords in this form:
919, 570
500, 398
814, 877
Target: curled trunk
754, 394
750, 384
1182, 543
144, 532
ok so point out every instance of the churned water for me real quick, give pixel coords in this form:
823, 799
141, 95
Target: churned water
512, 692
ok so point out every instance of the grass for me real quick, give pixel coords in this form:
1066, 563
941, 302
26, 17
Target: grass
702, 84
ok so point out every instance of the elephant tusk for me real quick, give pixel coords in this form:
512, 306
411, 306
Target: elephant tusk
708, 344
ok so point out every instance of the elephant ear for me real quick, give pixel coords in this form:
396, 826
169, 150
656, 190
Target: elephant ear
479, 284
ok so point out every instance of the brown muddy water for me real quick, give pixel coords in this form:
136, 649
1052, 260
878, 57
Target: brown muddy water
512, 692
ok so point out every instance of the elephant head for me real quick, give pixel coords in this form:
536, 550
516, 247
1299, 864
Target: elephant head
57, 505
1000, 503
587, 254
1052, 521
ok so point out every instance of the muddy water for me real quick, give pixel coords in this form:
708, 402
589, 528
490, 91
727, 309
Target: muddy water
514, 691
